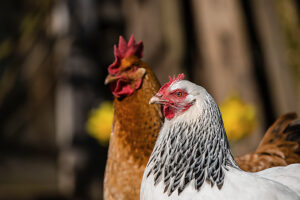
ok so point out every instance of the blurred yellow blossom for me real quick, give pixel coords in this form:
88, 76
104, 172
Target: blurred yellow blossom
100, 122
239, 118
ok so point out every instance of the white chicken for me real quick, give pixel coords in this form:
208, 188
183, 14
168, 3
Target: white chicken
192, 159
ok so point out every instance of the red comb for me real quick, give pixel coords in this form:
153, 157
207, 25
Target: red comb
125, 50
171, 80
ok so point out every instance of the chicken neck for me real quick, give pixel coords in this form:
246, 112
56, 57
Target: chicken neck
192, 150
138, 122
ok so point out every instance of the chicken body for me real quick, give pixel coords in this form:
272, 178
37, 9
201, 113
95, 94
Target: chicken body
192, 159
134, 132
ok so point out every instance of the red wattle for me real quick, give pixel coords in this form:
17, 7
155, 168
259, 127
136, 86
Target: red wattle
169, 112
122, 88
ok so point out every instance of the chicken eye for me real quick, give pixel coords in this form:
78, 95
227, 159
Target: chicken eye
178, 94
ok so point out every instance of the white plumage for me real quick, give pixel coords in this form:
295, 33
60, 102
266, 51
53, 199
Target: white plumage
237, 185
192, 159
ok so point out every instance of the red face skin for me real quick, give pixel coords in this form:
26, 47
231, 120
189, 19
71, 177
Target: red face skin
174, 102
126, 83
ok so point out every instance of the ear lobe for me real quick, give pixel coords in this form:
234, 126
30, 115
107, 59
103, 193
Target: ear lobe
140, 72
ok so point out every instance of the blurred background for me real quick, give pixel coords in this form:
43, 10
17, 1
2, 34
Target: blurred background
55, 111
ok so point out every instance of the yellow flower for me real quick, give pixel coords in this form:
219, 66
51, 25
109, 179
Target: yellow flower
239, 118
100, 122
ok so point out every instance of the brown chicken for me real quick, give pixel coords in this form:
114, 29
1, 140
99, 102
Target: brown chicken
136, 126
136, 123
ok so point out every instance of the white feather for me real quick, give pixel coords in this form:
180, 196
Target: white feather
237, 185
274, 183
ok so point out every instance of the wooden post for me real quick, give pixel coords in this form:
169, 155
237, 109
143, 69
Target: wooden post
159, 24
283, 86
226, 66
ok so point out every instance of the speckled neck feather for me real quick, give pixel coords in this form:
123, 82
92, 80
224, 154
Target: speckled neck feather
192, 152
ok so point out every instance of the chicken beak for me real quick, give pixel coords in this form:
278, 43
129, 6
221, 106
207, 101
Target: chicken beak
153, 100
156, 100
110, 79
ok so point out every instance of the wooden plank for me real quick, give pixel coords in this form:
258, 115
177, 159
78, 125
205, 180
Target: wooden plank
226, 64
282, 84
159, 24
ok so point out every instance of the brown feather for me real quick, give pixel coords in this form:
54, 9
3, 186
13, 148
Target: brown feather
135, 129
279, 147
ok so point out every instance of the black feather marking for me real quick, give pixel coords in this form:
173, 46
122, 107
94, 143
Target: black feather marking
157, 178
197, 151
199, 180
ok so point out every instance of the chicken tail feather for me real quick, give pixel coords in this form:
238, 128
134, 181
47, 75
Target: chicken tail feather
279, 147
282, 139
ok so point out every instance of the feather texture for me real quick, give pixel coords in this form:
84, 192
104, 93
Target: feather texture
135, 128
279, 147
201, 125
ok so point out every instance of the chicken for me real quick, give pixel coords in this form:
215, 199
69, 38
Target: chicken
279, 147
136, 126
192, 159
136, 123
